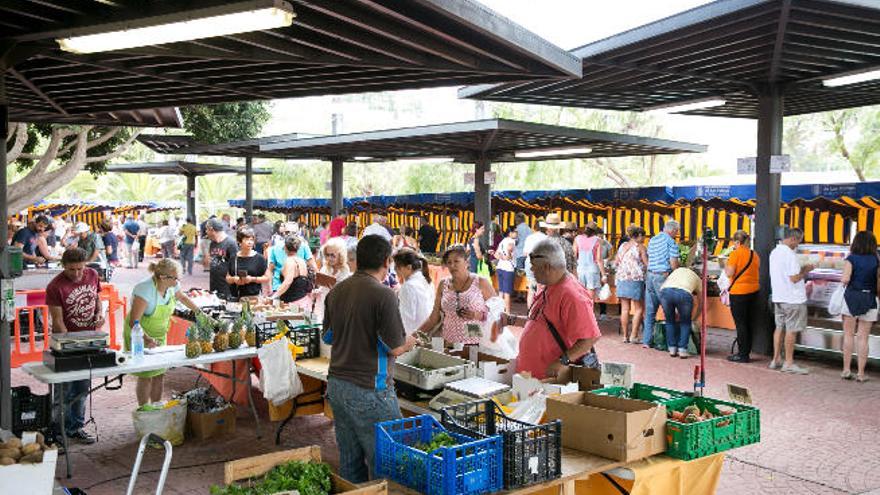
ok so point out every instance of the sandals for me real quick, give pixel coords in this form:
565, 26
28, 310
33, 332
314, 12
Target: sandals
846, 375
861, 379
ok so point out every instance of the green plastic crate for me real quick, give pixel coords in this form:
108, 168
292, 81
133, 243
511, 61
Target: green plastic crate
688, 441
642, 391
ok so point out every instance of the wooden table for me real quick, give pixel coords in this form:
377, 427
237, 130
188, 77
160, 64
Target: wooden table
576, 466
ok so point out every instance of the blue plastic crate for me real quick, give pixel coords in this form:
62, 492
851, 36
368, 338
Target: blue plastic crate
472, 467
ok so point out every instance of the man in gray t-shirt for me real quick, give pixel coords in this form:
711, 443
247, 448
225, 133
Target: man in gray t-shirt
362, 318
262, 233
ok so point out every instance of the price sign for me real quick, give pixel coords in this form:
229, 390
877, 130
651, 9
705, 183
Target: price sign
617, 375
489, 178
469, 179
739, 394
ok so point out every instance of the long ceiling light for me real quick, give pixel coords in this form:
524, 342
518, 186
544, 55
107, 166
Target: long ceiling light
553, 152
687, 106
241, 17
856, 78
427, 159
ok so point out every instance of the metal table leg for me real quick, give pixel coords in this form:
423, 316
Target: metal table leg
250, 396
61, 401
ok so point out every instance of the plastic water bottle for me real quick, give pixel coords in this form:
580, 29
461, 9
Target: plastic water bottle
137, 342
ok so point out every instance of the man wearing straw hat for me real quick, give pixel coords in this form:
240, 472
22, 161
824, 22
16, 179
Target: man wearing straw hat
554, 226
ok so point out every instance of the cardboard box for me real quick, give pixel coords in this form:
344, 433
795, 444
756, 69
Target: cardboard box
621, 429
203, 426
586, 378
29, 479
492, 367
571, 379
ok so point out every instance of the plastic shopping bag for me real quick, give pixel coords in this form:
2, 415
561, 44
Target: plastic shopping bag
835, 304
278, 377
604, 292
531, 409
168, 422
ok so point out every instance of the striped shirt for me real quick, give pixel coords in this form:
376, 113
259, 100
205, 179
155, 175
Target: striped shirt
661, 248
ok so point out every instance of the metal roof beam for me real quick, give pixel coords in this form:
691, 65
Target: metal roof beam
657, 70
775, 62
38, 92
97, 62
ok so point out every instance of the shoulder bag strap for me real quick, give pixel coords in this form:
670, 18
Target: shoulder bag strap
738, 275
553, 330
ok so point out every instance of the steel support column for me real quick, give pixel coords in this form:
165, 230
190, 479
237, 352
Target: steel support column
249, 188
5, 344
482, 193
191, 213
767, 187
336, 188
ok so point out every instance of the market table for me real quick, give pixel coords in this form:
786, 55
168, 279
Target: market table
175, 358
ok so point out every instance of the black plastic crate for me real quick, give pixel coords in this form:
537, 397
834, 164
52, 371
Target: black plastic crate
30, 412
306, 336
532, 453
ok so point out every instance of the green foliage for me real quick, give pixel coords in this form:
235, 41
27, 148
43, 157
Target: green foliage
308, 478
40, 133
439, 440
225, 122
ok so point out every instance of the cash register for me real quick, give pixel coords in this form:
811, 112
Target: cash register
74, 351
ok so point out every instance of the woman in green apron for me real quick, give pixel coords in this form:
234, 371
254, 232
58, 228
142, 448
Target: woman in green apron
152, 302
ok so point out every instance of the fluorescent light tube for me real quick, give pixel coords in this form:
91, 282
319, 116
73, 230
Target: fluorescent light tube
553, 152
363, 158
207, 23
688, 105
852, 79
427, 159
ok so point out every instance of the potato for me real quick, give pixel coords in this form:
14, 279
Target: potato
13, 453
31, 448
6, 461
34, 458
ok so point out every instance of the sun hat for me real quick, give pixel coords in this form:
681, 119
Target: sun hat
553, 221
81, 227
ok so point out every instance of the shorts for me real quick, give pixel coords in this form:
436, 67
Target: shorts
505, 281
631, 289
591, 280
871, 315
790, 317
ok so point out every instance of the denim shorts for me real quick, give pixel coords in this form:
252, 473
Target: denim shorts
631, 289
505, 281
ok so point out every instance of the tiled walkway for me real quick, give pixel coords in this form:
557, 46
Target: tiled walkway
820, 435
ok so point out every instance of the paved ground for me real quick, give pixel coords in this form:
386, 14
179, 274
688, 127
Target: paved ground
820, 435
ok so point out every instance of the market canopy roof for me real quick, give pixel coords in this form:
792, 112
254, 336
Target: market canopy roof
182, 168
728, 49
151, 117
492, 139
187, 145
332, 47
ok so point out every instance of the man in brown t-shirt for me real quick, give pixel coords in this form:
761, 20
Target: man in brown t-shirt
367, 334
74, 306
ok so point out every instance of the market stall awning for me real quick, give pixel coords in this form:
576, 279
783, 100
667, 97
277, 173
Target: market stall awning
729, 50
332, 47
182, 168
496, 140
187, 145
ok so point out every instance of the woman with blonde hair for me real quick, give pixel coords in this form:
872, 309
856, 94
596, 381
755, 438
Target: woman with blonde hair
334, 256
152, 305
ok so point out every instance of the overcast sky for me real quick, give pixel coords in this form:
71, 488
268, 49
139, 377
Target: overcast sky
566, 23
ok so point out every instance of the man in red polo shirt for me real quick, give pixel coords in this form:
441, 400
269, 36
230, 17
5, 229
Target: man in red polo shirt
562, 304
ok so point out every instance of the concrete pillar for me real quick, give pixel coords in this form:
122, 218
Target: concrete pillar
767, 188
482, 193
191, 212
336, 188
249, 188
5, 344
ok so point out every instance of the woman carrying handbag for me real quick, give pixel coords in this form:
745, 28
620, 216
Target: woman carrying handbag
860, 271
742, 270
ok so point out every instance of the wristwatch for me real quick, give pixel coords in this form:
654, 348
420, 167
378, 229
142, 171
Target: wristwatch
564, 359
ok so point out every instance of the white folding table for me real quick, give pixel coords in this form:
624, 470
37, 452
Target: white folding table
151, 362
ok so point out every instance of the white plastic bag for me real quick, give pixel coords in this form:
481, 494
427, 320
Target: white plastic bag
604, 292
278, 378
836, 302
168, 423
506, 346
530, 410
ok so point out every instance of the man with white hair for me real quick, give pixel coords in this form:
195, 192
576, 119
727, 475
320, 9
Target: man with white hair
662, 260
561, 327
378, 227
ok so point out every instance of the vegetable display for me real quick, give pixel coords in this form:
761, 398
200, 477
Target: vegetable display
13, 451
693, 414
439, 440
307, 478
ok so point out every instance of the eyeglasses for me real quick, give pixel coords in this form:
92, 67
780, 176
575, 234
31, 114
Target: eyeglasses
534, 257
169, 277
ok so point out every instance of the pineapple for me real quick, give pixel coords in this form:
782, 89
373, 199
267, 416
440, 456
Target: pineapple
248, 331
250, 336
235, 338
205, 339
221, 340
193, 348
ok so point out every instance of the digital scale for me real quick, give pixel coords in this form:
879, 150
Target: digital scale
74, 351
467, 390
